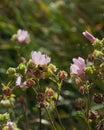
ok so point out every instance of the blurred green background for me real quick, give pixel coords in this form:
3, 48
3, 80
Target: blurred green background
55, 27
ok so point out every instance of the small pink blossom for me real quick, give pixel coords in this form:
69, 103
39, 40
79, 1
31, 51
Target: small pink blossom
18, 81
40, 59
10, 125
23, 36
78, 66
90, 37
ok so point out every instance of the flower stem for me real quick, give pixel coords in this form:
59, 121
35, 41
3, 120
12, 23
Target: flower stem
40, 117
87, 111
50, 118
59, 119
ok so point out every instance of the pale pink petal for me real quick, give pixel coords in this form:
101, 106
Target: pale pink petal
90, 37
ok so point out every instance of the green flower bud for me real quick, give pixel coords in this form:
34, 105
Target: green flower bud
30, 64
6, 103
14, 37
97, 43
98, 53
4, 117
21, 68
52, 67
11, 71
102, 65
89, 70
5, 128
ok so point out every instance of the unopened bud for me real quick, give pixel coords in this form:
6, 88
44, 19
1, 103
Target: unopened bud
4, 117
98, 54
89, 70
62, 74
7, 91
11, 71
31, 65
14, 37
22, 60
93, 115
91, 57
40, 97
82, 90
6, 103
21, 68
100, 125
79, 102
98, 98
97, 43
52, 67
49, 92
78, 80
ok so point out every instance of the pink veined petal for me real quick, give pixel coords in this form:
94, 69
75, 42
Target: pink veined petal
10, 125
22, 36
18, 81
78, 66
90, 37
39, 58
74, 69
82, 62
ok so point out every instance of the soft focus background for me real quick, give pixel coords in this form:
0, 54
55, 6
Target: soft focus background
55, 27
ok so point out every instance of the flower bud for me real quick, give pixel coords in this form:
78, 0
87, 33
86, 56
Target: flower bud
11, 71
31, 65
52, 68
98, 53
82, 90
6, 103
100, 125
14, 37
98, 98
93, 115
49, 92
89, 70
90, 37
21, 68
62, 74
79, 102
78, 81
4, 117
91, 57
28, 83
97, 43
22, 60
7, 91
102, 65
40, 97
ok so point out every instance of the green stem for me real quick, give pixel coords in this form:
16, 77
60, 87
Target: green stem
59, 119
87, 111
40, 117
59, 91
50, 118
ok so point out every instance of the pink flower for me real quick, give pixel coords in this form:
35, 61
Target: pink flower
90, 37
39, 58
23, 36
10, 125
78, 66
18, 81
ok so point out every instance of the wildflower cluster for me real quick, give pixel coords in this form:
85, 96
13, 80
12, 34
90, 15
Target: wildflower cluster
87, 74
30, 75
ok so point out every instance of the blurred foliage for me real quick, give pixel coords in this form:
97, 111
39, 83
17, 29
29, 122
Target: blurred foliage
55, 27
